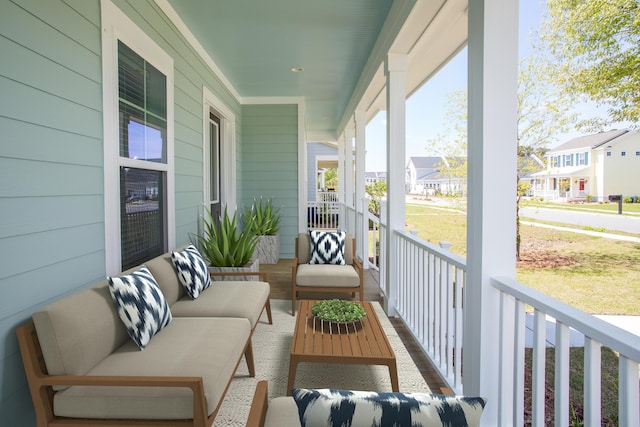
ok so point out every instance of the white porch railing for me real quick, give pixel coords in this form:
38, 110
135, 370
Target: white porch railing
597, 333
323, 214
430, 286
429, 301
327, 196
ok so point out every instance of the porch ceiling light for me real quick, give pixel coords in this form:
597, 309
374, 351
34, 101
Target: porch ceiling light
297, 69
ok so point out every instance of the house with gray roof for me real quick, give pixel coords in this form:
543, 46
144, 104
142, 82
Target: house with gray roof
424, 176
592, 167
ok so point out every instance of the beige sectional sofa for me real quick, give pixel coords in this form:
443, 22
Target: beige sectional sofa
94, 374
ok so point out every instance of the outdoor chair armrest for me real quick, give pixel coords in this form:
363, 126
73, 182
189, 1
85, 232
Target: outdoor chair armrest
259, 405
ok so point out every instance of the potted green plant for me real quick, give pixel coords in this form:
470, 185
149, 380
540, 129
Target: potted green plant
264, 222
226, 248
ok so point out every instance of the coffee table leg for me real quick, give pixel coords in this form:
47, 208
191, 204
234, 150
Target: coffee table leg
293, 366
393, 373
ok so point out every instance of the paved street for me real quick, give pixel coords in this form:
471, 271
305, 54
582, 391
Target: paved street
611, 222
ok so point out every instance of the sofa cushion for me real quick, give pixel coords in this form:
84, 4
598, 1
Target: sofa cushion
327, 275
141, 305
165, 274
195, 347
327, 247
226, 299
192, 270
337, 408
80, 330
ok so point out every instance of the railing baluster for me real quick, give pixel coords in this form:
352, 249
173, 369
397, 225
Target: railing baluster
457, 360
538, 367
628, 392
561, 384
592, 383
507, 353
518, 374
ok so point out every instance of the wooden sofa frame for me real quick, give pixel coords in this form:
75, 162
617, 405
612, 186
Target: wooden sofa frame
42, 393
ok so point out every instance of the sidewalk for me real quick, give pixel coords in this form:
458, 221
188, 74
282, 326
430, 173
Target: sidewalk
576, 339
587, 232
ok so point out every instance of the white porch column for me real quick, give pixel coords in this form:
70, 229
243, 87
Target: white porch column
492, 151
341, 181
363, 241
349, 187
396, 70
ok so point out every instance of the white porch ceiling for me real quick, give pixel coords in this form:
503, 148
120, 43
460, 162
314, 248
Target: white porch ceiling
341, 44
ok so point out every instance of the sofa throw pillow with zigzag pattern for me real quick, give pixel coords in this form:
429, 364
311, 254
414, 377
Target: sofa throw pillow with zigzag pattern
192, 270
327, 247
140, 304
344, 408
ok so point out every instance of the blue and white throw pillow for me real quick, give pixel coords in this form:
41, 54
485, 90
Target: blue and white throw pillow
344, 408
192, 270
327, 247
140, 304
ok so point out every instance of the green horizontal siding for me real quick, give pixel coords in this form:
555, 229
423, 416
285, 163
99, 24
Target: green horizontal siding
270, 163
51, 158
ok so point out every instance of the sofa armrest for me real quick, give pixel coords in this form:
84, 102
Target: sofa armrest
261, 274
259, 405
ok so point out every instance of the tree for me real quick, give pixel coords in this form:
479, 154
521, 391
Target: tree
543, 113
595, 46
376, 191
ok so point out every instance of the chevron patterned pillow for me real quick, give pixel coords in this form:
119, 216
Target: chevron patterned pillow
192, 270
327, 247
344, 408
140, 304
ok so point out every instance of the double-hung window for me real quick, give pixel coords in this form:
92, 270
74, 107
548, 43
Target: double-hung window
138, 128
142, 114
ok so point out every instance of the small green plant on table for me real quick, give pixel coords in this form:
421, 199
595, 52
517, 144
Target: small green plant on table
337, 310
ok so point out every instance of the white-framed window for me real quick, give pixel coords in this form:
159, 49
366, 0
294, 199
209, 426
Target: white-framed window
638, 153
583, 159
623, 153
608, 153
138, 143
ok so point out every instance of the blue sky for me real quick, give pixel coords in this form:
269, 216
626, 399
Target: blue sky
427, 106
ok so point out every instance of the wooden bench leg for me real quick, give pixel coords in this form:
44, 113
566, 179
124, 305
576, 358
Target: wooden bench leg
248, 355
268, 307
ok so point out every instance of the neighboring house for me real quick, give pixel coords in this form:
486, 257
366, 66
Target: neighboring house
424, 176
592, 167
373, 177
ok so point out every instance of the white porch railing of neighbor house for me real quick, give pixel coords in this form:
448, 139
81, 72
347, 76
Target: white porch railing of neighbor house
327, 196
546, 194
430, 285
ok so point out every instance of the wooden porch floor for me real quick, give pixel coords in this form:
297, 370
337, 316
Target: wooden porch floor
280, 280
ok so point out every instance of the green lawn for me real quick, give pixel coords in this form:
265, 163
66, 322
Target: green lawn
604, 277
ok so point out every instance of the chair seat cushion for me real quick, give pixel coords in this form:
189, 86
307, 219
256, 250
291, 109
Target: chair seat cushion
196, 347
282, 412
226, 299
327, 275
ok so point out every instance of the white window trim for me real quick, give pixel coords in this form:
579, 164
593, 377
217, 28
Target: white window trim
211, 103
117, 26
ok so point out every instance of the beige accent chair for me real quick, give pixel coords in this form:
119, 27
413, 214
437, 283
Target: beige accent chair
325, 277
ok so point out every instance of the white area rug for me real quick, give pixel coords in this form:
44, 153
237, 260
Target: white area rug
271, 347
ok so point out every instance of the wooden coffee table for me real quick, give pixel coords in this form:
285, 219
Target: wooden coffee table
361, 343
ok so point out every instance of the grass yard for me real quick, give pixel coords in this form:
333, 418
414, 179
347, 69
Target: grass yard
599, 276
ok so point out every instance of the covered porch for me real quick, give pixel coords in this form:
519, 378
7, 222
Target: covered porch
235, 129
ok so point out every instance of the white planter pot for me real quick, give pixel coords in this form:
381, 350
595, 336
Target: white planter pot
252, 266
268, 249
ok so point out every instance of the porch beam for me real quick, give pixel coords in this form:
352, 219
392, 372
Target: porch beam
341, 183
361, 142
492, 154
396, 74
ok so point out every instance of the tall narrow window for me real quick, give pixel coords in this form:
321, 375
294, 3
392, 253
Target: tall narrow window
214, 165
142, 113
